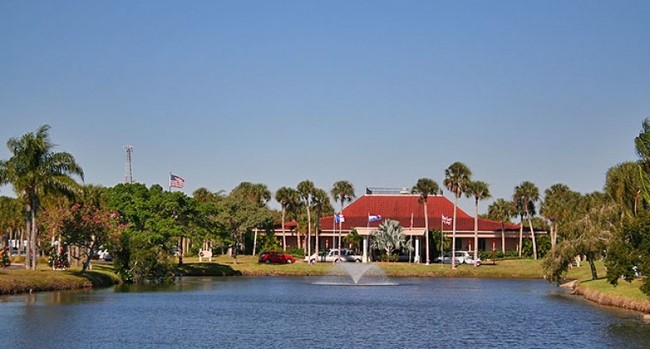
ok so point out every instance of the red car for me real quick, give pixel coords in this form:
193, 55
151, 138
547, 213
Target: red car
276, 258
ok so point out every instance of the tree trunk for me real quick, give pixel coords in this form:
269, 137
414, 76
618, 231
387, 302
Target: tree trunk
453, 239
234, 251
284, 233
181, 249
33, 237
28, 232
308, 230
521, 234
476, 234
553, 233
532, 236
89, 254
503, 239
592, 265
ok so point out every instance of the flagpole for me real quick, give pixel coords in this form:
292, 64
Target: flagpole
169, 182
341, 217
368, 223
442, 239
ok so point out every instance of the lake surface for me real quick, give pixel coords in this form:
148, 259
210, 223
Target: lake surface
279, 312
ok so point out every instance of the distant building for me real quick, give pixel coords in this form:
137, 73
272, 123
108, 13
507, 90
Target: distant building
398, 204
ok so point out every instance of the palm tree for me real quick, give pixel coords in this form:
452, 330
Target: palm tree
306, 190
35, 171
389, 238
558, 205
457, 178
342, 192
256, 193
288, 199
525, 196
625, 184
425, 187
321, 203
501, 210
480, 191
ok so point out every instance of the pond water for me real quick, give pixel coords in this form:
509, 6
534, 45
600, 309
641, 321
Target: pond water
279, 312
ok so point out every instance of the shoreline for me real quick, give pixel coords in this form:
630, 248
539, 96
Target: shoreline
606, 299
19, 281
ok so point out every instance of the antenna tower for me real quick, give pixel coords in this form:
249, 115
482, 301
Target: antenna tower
128, 177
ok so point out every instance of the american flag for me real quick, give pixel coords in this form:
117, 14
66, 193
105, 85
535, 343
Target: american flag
176, 181
446, 220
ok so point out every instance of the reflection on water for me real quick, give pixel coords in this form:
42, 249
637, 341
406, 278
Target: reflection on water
204, 312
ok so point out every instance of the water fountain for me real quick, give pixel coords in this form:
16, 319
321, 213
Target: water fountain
356, 274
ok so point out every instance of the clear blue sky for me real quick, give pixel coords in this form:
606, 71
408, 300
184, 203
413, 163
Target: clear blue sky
379, 93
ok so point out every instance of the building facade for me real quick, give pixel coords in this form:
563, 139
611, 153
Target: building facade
365, 214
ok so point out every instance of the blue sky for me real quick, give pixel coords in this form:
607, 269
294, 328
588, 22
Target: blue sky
379, 93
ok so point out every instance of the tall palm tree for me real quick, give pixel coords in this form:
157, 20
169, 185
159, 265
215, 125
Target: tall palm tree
288, 198
457, 178
480, 191
306, 190
525, 196
501, 210
342, 192
35, 171
321, 203
425, 187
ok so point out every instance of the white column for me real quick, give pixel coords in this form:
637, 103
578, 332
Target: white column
417, 250
365, 249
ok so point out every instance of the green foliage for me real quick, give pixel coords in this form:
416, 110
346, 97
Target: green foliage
457, 178
543, 246
342, 192
154, 221
57, 260
625, 185
35, 170
353, 239
138, 259
435, 236
389, 238
268, 242
238, 215
642, 144
557, 262
4, 258
296, 251
630, 249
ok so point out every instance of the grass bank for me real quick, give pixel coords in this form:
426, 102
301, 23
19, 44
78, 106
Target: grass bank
626, 295
248, 266
13, 281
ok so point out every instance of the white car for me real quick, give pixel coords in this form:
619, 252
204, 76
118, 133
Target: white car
462, 257
334, 257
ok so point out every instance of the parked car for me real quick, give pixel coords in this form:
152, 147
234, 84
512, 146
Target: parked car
334, 257
276, 258
462, 257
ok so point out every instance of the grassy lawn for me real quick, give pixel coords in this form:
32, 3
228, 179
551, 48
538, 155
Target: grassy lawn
46, 279
248, 265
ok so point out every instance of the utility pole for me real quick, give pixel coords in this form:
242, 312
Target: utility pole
128, 177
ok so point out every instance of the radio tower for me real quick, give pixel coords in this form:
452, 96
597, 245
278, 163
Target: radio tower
128, 177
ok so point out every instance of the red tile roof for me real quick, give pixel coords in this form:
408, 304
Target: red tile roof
403, 207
